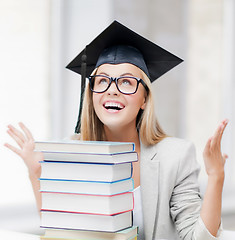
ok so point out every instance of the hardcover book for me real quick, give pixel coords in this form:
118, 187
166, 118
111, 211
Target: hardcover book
77, 221
88, 203
91, 157
87, 187
127, 234
76, 146
86, 171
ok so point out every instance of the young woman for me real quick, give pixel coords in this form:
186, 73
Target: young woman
118, 106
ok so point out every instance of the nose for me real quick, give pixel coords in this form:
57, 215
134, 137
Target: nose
113, 89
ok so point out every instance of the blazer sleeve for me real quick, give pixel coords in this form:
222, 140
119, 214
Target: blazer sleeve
185, 203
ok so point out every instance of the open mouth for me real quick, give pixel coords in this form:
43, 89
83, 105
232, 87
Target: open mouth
113, 106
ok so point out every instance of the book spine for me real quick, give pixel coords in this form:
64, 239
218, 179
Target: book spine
133, 149
131, 170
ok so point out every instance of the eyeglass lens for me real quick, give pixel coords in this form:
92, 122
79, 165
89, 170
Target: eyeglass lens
126, 85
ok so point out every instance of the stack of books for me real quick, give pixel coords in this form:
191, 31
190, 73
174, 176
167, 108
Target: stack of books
86, 190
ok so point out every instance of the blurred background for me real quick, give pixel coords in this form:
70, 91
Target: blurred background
40, 37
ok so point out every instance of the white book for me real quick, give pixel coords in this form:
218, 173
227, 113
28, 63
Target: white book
65, 220
87, 187
76, 146
86, 171
127, 234
88, 203
91, 157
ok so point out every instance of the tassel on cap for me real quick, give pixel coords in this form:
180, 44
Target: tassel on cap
83, 82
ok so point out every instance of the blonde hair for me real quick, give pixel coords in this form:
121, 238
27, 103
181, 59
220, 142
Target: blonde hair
150, 131
92, 129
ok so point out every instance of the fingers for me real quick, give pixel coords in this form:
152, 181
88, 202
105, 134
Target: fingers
20, 137
26, 131
225, 156
223, 125
14, 149
216, 139
208, 146
18, 133
16, 136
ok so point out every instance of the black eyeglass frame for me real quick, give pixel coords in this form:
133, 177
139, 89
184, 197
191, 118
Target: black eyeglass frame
112, 79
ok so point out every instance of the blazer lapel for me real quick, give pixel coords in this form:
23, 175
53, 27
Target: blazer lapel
149, 181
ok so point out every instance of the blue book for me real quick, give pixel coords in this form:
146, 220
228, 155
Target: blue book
87, 187
86, 171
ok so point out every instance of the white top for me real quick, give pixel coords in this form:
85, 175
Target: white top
138, 213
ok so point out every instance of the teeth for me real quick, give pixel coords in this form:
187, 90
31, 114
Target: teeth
113, 105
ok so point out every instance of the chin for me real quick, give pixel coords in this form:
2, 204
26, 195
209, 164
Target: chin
118, 125
117, 121
112, 124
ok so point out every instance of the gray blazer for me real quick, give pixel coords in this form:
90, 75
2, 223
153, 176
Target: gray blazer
170, 193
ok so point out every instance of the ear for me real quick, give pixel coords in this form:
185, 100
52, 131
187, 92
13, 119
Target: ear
144, 104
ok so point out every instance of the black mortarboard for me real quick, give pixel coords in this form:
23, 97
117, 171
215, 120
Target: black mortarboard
119, 44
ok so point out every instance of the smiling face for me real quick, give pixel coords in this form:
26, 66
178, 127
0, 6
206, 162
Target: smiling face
114, 109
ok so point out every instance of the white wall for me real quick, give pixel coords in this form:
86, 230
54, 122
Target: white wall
75, 23
228, 101
210, 83
24, 93
204, 72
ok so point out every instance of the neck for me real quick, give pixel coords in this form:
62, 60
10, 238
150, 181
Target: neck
123, 135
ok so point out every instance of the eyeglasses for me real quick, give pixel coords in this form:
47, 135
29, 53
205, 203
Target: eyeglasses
125, 85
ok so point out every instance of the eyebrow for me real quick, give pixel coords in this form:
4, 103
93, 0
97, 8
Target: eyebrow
124, 74
103, 73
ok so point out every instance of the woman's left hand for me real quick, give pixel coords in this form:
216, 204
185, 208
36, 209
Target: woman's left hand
213, 158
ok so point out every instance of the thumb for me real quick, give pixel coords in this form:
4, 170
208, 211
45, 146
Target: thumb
225, 156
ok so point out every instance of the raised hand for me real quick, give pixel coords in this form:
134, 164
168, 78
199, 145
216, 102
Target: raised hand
213, 158
214, 163
25, 141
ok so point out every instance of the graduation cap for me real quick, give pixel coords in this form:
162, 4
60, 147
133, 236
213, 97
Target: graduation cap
119, 44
